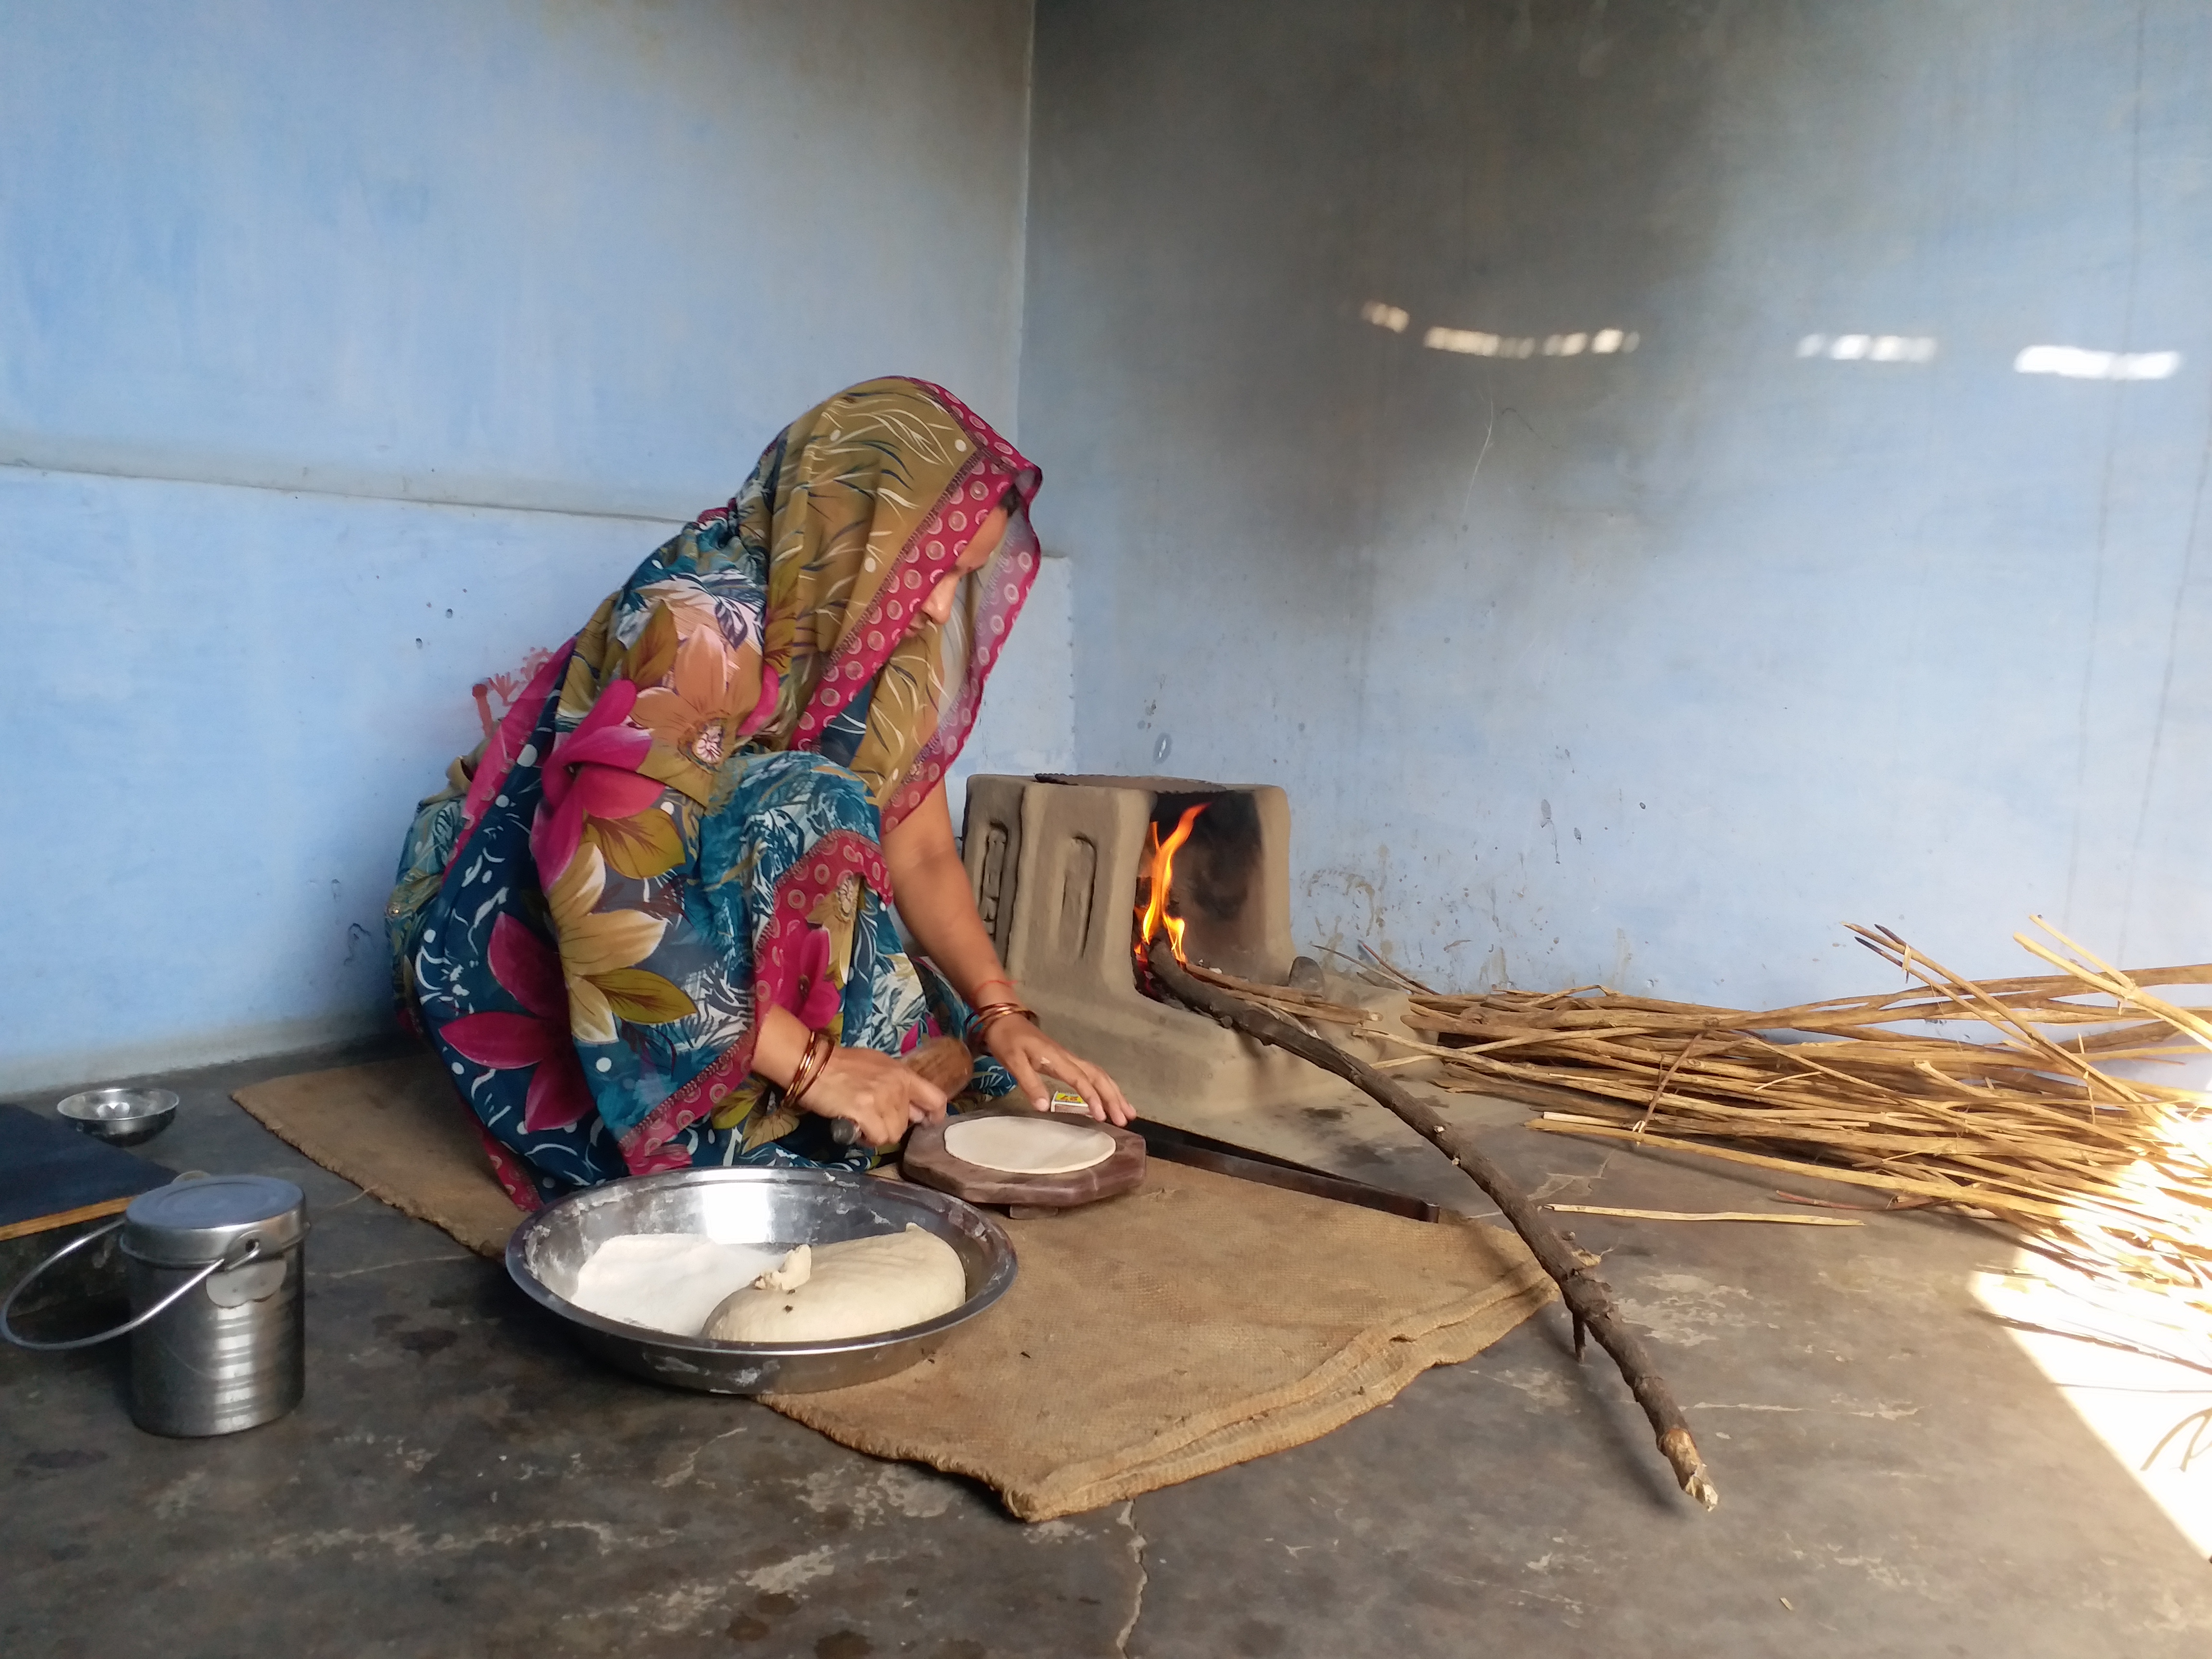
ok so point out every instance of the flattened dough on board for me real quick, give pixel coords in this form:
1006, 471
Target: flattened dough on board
1039, 1144
665, 1281
855, 1287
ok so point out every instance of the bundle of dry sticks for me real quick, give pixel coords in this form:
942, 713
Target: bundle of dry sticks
2113, 1171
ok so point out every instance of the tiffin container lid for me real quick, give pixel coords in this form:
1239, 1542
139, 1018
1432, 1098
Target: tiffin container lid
193, 1222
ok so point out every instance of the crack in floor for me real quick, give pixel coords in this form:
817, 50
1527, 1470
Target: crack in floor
385, 1267
1127, 1518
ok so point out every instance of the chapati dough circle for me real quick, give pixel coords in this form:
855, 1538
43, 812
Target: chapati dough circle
1038, 1144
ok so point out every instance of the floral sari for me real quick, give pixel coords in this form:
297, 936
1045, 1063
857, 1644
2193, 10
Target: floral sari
678, 823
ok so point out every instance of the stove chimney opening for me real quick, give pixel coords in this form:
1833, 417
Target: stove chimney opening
1201, 868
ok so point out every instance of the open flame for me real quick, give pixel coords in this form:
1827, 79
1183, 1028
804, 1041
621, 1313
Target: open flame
1152, 916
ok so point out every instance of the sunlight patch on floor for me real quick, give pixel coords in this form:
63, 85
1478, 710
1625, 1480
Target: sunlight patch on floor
2152, 1413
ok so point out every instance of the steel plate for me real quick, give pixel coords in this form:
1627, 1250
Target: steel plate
780, 1207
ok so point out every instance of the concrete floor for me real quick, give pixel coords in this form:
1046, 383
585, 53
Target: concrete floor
1897, 1478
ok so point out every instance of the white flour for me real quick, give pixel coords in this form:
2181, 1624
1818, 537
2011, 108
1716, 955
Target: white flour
666, 1281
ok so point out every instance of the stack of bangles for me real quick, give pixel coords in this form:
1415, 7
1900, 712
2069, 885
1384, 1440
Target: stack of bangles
990, 1014
820, 1045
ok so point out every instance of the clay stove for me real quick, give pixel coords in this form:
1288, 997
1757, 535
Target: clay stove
1060, 865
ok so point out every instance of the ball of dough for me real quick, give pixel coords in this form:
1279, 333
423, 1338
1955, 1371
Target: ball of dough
855, 1287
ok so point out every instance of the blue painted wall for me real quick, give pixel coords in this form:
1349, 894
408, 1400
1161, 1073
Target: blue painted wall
348, 351
1643, 666
1650, 666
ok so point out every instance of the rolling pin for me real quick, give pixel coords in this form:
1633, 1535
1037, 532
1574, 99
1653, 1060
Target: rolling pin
943, 1060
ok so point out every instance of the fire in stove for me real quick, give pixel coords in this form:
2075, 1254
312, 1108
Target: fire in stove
1074, 876
1154, 890
1203, 882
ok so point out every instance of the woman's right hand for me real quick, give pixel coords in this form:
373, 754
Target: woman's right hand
882, 1095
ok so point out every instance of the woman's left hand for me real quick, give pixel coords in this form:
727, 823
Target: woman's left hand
1019, 1046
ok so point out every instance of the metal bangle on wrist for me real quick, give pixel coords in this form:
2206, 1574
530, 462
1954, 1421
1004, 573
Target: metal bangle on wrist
980, 1022
820, 1045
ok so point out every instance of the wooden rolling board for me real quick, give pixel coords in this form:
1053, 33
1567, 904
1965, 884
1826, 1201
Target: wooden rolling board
926, 1161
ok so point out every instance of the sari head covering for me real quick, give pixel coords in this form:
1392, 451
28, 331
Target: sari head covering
857, 511
676, 871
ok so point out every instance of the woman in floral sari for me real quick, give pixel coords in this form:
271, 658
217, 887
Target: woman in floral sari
648, 924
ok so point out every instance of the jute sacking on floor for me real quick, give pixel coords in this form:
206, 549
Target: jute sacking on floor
1197, 1323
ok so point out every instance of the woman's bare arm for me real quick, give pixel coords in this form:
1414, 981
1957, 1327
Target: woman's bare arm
878, 1091
936, 903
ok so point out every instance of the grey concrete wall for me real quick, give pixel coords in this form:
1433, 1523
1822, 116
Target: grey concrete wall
346, 351
1823, 603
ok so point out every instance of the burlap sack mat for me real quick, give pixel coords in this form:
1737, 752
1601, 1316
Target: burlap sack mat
396, 1130
1197, 1323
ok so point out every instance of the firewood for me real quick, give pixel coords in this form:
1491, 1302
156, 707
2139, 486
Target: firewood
1589, 1299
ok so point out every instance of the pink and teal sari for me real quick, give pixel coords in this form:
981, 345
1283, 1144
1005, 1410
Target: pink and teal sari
678, 822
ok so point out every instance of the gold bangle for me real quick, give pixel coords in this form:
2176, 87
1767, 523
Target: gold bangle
820, 1045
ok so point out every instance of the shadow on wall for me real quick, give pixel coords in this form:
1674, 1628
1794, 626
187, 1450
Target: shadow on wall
1627, 665
1254, 488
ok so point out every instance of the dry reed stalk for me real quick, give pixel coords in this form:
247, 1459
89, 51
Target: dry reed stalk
1705, 1215
2115, 1173
1285, 999
1377, 969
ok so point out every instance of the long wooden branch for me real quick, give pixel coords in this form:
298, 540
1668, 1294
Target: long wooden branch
1588, 1300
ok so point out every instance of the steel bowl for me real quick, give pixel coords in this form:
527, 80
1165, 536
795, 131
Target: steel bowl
121, 1117
784, 1208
